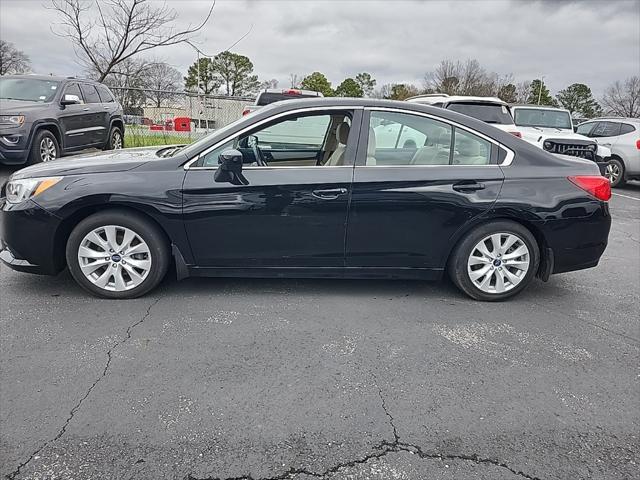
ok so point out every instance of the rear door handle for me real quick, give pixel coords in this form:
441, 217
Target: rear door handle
85, 109
468, 186
330, 194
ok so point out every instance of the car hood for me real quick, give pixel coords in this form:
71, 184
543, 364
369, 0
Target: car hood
18, 107
99, 162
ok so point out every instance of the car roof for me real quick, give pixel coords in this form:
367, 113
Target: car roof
53, 78
615, 119
439, 97
539, 107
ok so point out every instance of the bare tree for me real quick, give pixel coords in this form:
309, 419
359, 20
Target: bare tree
119, 30
623, 98
273, 83
468, 78
523, 89
161, 81
12, 60
128, 83
294, 80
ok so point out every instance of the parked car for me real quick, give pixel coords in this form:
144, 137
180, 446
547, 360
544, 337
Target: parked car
498, 113
490, 210
272, 95
488, 109
552, 129
44, 117
622, 136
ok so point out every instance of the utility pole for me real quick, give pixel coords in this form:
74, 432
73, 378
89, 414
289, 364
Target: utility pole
540, 89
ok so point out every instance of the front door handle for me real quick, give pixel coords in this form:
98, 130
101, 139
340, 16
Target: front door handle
330, 194
85, 109
468, 186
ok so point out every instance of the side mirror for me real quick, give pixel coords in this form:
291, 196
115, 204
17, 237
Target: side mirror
575, 129
69, 99
230, 169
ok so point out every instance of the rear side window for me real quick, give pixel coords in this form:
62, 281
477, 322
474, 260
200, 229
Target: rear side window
487, 112
90, 94
606, 129
105, 94
626, 128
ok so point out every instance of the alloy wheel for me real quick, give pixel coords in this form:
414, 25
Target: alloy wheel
116, 140
47, 150
498, 263
114, 258
612, 172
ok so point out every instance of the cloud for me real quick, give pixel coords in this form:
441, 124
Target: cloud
591, 42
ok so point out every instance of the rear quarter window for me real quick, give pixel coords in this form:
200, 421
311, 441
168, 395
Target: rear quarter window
105, 94
626, 128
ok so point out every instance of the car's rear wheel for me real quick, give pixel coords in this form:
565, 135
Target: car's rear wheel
116, 139
495, 261
117, 254
614, 171
44, 148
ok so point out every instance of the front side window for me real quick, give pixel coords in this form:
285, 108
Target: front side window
302, 140
73, 89
540, 117
585, 129
406, 139
28, 89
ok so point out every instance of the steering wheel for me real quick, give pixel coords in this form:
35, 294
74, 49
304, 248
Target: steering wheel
257, 153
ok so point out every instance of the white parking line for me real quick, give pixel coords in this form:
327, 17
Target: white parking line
625, 196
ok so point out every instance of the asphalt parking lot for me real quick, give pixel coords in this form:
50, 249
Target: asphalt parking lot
303, 379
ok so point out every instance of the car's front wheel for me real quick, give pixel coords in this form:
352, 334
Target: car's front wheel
117, 254
495, 261
614, 171
44, 148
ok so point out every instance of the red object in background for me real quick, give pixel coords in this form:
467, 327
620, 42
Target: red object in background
168, 124
182, 124
147, 121
156, 127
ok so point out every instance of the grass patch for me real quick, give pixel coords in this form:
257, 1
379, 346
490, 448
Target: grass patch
136, 136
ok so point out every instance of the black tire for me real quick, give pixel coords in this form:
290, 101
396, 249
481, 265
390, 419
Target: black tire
615, 165
457, 265
115, 140
44, 139
154, 238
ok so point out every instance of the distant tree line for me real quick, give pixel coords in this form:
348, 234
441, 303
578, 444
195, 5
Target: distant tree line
228, 73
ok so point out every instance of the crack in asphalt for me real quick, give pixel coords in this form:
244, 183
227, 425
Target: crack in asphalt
385, 448
73, 411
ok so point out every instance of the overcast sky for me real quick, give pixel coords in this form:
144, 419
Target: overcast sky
593, 42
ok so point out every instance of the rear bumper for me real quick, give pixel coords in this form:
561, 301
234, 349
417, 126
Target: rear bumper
27, 239
578, 243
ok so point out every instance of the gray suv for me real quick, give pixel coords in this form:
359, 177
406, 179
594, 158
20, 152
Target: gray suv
45, 117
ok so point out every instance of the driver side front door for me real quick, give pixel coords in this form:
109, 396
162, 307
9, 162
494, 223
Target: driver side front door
292, 214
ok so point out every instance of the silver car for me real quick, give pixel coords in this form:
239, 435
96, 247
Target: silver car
622, 136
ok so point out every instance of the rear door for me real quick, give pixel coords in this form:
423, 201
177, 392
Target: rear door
407, 205
97, 124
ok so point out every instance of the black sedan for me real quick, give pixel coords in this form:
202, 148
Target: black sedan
339, 188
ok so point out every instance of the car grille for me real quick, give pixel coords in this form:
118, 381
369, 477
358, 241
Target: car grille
581, 151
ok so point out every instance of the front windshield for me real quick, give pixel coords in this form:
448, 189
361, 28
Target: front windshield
28, 89
539, 117
194, 148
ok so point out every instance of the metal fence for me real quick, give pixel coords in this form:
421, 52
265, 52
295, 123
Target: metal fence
160, 117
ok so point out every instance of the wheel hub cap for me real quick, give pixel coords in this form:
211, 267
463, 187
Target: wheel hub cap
498, 263
114, 258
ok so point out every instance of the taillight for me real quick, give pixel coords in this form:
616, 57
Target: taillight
597, 186
292, 92
246, 111
638, 144
517, 134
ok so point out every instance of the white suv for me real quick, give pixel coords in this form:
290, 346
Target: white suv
552, 130
622, 136
488, 109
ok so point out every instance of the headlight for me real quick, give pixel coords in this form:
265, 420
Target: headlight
547, 145
15, 120
593, 147
21, 190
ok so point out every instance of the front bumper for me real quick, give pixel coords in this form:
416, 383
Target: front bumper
14, 153
27, 239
